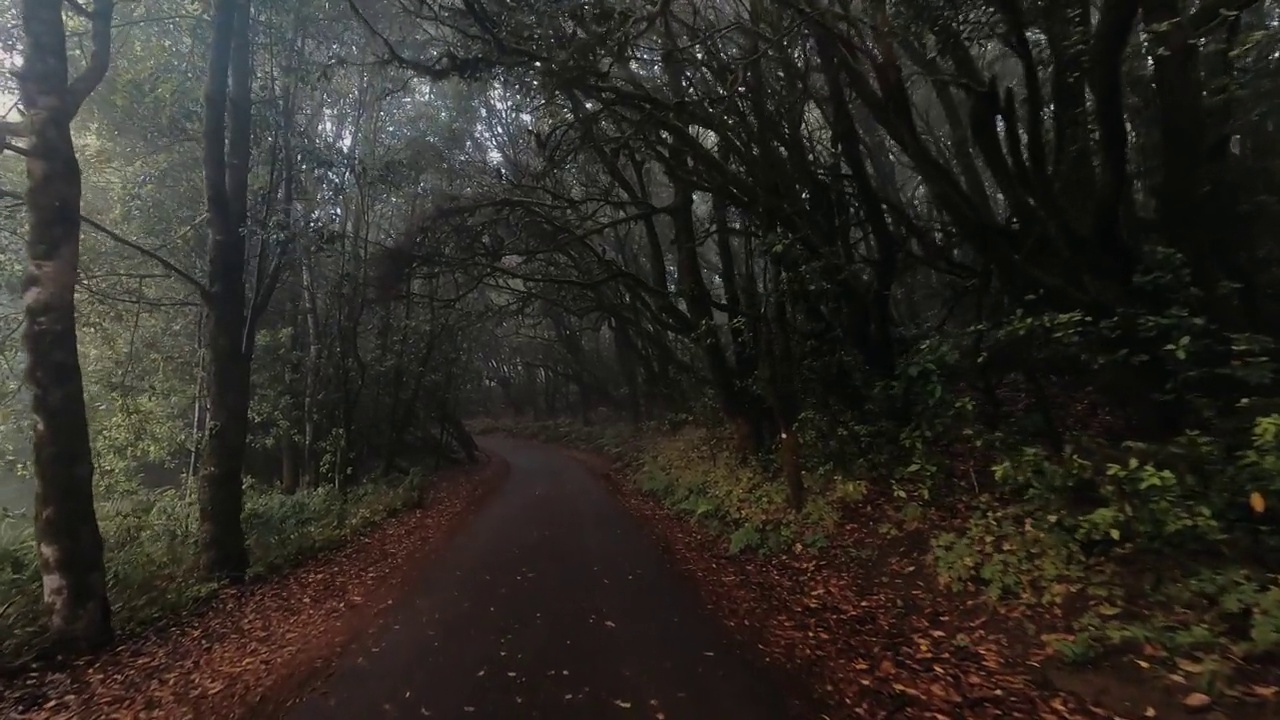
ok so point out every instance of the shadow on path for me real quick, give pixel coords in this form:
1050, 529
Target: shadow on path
552, 603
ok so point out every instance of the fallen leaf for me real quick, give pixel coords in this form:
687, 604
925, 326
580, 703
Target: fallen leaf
1263, 691
1194, 668
1197, 702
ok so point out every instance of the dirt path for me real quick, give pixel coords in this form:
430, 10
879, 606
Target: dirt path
552, 603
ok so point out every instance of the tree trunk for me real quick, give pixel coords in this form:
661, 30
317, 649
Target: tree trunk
290, 452
224, 552
223, 547
67, 535
199, 416
290, 472
736, 401
624, 348
780, 381
311, 378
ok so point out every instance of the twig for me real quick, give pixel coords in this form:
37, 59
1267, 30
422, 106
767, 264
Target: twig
195, 284
79, 9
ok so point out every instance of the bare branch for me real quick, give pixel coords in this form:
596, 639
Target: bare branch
447, 65
1212, 12
79, 9
116, 237
99, 57
160, 260
11, 129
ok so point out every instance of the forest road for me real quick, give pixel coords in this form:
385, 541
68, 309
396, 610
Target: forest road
552, 602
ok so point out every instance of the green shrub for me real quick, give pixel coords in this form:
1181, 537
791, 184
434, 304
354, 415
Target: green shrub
697, 474
1172, 536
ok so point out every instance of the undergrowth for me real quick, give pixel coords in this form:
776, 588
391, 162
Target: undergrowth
151, 539
697, 474
1154, 562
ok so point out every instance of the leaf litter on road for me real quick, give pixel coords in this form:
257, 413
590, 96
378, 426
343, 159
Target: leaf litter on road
863, 624
255, 647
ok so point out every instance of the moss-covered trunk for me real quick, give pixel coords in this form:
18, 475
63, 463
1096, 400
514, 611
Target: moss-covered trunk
67, 535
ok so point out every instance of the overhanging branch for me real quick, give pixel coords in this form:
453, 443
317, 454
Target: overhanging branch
116, 237
447, 65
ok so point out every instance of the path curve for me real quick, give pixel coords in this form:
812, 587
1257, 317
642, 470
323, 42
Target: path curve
553, 602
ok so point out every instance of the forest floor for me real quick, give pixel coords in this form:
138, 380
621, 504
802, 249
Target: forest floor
866, 626
553, 594
253, 648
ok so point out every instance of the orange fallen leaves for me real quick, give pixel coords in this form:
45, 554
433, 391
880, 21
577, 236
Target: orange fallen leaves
865, 625
257, 646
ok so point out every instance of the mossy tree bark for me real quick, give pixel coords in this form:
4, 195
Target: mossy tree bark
67, 534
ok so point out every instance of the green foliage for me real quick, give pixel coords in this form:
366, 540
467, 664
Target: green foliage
696, 473
1079, 649
609, 438
151, 539
287, 529
1192, 493
1011, 555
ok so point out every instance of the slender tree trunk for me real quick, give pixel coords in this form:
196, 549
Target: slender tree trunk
311, 377
781, 382
290, 470
226, 145
67, 535
290, 451
224, 550
624, 347
549, 395
198, 412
